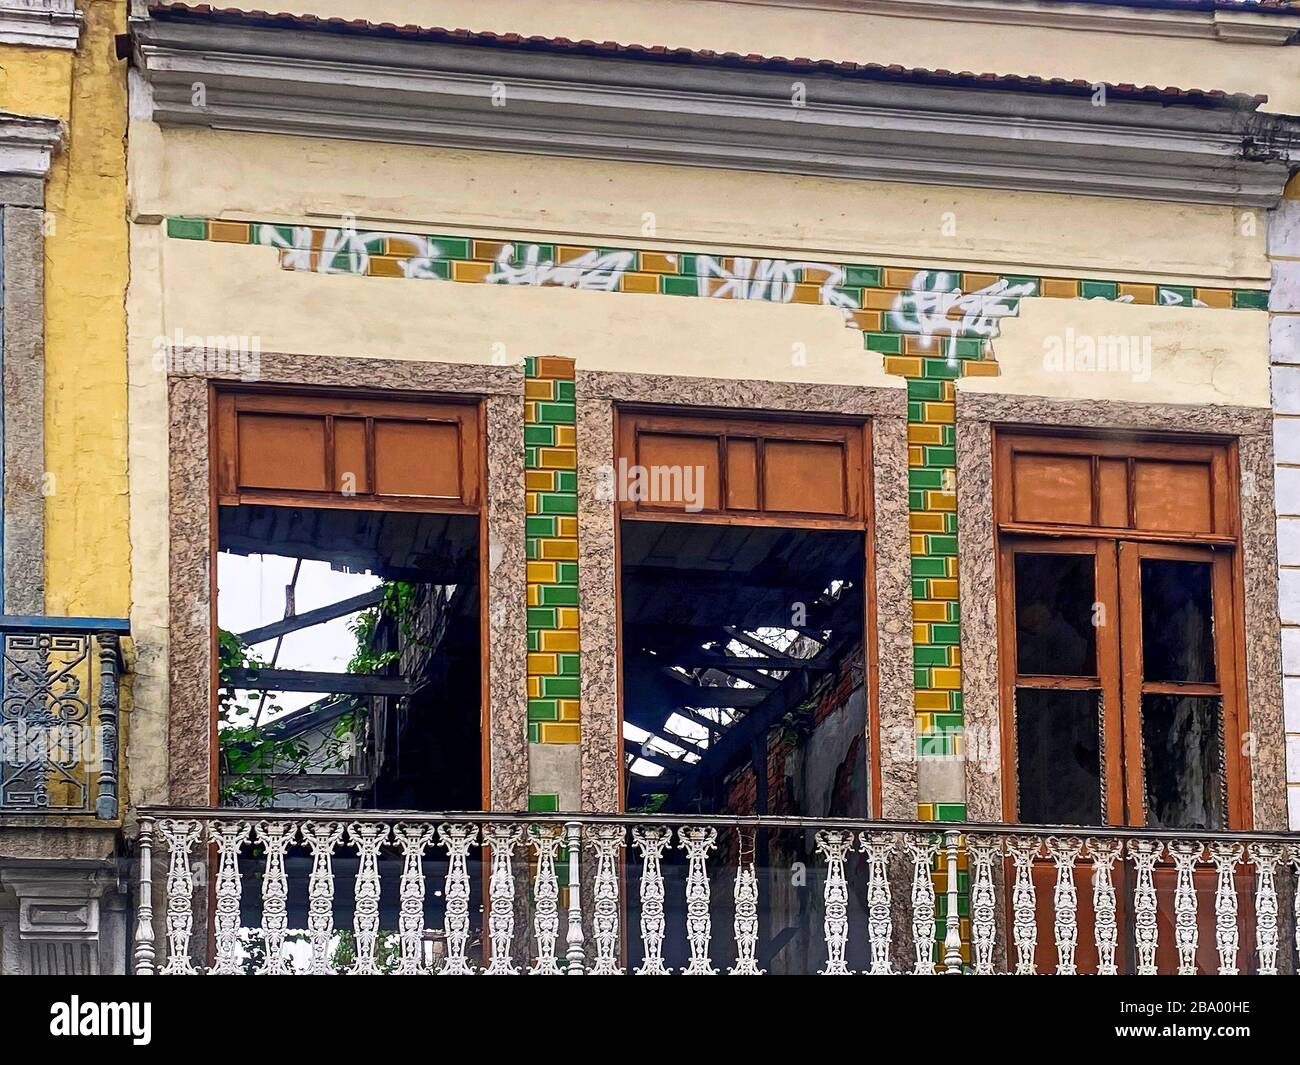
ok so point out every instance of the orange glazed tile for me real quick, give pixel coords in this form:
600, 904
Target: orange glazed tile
1215, 297
1141, 293
931, 700
925, 434
922, 522
558, 458
1060, 288
645, 283
230, 232
384, 266
976, 282
902, 366
899, 277
560, 732
491, 249
927, 611
556, 366
943, 589
980, 369
472, 272
867, 321
537, 388
566, 253
658, 262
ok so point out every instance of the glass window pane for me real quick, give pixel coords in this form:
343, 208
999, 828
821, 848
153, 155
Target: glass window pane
1054, 630
1177, 621
1182, 758
1058, 762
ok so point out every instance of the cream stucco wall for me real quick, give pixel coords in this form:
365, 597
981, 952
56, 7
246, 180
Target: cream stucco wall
206, 288
835, 30
1164, 354
262, 177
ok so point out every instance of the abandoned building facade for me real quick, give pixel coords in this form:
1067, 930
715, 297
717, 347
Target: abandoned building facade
580, 488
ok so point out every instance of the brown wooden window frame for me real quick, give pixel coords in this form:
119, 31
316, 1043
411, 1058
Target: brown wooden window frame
368, 411
1119, 551
852, 432
466, 413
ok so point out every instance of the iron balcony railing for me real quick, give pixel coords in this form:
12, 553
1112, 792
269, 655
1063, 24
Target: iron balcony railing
324, 891
60, 701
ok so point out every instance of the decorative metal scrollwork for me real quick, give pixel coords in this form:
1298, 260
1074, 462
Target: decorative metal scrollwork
652, 841
1185, 855
1265, 857
745, 896
546, 841
275, 837
922, 848
1145, 853
1065, 901
47, 734
834, 845
322, 838
367, 837
1103, 853
180, 837
605, 842
228, 837
1226, 937
981, 853
413, 839
502, 839
458, 839
697, 842
1024, 927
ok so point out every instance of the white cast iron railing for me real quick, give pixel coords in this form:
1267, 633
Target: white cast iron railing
498, 893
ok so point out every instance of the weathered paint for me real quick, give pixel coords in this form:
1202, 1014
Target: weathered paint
931, 327
87, 552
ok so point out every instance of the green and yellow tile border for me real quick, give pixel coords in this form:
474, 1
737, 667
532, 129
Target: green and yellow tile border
931, 326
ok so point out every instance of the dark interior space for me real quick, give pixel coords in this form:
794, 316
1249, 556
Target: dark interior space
743, 668
409, 700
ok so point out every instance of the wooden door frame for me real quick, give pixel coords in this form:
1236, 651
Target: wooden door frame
1224, 545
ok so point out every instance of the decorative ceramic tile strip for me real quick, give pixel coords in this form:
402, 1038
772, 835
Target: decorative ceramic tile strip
930, 326
551, 528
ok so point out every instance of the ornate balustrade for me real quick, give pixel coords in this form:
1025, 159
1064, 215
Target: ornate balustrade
59, 715
369, 893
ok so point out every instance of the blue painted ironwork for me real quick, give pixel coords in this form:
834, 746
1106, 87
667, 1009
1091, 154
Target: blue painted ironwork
59, 705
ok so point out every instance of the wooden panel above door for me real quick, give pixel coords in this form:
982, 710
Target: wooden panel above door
333, 451
714, 467
1143, 485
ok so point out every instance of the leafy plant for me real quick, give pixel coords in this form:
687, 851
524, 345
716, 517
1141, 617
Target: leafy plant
249, 756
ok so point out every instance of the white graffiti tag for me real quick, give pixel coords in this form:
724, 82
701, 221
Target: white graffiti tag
600, 271
347, 251
772, 280
935, 305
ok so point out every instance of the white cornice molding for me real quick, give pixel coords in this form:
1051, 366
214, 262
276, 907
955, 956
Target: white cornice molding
42, 23
27, 144
1260, 26
374, 88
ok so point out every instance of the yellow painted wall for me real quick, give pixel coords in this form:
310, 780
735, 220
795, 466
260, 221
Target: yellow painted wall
806, 28
87, 557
